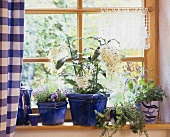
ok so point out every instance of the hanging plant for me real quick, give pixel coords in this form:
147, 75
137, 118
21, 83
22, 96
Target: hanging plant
125, 114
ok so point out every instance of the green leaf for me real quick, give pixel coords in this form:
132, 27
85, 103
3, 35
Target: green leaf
130, 85
60, 63
99, 86
96, 54
81, 91
151, 84
70, 81
103, 72
80, 71
142, 82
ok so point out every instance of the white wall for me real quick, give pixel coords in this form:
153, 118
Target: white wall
164, 55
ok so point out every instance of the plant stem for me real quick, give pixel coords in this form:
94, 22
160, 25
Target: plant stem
72, 57
97, 72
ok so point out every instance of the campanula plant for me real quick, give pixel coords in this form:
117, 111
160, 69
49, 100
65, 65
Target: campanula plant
51, 103
145, 88
49, 94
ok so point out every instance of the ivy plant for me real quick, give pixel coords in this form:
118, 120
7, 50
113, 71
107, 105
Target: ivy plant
125, 114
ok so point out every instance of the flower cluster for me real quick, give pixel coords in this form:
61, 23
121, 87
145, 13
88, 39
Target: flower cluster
39, 91
47, 94
82, 82
53, 97
111, 58
58, 96
57, 53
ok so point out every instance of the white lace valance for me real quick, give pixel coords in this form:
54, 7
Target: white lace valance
129, 26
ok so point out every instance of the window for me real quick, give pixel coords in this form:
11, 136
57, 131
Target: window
47, 21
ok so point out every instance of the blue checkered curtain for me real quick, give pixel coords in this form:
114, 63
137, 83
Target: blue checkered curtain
11, 54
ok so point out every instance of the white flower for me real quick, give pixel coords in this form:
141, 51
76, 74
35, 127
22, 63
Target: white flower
57, 53
82, 82
51, 67
110, 57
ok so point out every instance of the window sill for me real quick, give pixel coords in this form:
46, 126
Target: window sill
70, 126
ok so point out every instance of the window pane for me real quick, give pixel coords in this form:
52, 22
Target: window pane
112, 3
50, 3
44, 31
118, 89
90, 28
38, 74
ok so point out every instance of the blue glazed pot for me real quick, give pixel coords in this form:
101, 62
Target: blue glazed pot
52, 113
82, 107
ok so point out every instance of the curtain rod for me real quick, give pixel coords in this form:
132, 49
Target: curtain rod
149, 9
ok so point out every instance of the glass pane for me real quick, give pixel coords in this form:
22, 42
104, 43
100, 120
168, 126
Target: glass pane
50, 3
116, 85
90, 28
112, 3
44, 31
38, 74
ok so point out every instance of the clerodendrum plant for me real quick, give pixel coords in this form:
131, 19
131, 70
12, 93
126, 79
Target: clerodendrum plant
87, 69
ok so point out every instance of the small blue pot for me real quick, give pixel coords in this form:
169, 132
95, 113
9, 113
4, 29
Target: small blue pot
82, 107
52, 113
34, 119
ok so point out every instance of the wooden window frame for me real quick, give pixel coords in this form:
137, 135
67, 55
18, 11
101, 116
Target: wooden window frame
150, 59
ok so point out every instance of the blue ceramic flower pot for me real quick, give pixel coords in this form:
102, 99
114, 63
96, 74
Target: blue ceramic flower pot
52, 113
82, 107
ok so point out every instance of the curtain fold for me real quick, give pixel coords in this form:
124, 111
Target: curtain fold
11, 55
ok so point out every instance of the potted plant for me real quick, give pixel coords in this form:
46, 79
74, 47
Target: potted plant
88, 94
147, 95
123, 114
52, 104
